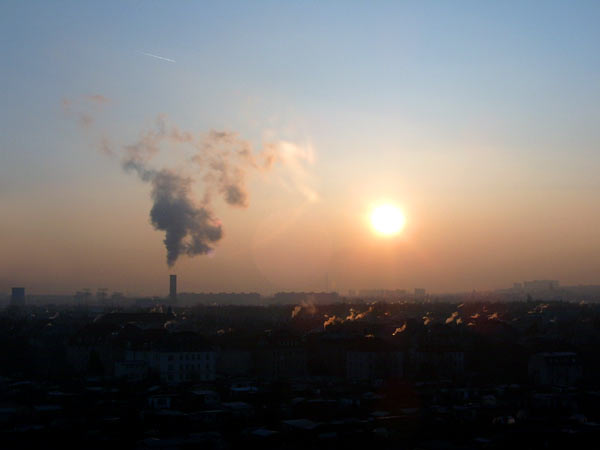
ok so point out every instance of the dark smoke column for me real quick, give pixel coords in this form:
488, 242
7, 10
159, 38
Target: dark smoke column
173, 287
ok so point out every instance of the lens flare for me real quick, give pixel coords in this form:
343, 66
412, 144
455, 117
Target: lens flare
387, 219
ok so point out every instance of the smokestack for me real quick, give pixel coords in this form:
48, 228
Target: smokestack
173, 287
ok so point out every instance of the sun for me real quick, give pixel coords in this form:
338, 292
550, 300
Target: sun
387, 219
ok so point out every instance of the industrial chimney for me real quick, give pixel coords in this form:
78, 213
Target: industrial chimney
173, 287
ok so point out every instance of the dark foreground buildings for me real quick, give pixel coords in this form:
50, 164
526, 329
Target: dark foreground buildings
404, 375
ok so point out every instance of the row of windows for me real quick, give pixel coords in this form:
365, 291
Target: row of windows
190, 356
185, 377
146, 356
189, 367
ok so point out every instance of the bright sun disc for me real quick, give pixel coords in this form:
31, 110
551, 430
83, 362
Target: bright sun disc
387, 219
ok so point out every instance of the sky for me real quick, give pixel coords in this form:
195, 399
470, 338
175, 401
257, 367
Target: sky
478, 119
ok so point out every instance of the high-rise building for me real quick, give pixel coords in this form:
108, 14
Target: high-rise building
173, 287
17, 297
540, 285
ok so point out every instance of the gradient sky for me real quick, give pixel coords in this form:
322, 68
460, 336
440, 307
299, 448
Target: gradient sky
480, 119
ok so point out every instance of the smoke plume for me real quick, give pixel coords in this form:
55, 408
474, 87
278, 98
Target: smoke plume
214, 164
358, 316
332, 321
308, 306
399, 330
189, 228
352, 316
452, 317
296, 310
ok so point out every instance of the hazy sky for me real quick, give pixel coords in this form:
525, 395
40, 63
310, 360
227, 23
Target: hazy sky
480, 120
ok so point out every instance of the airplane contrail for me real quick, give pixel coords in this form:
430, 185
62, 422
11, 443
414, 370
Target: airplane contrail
158, 57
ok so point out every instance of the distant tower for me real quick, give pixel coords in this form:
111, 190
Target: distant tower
173, 287
420, 292
101, 295
17, 297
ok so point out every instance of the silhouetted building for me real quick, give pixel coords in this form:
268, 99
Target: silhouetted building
101, 295
17, 297
555, 368
281, 355
221, 298
173, 287
371, 359
420, 292
322, 298
540, 285
142, 320
175, 358
437, 361
381, 293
